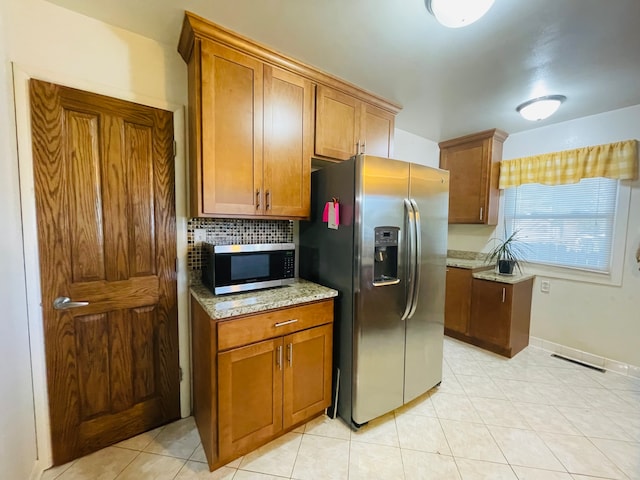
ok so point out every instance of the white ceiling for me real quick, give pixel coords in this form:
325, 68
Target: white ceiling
450, 82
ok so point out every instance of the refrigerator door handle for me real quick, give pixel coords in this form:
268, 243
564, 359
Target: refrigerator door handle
410, 243
416, 263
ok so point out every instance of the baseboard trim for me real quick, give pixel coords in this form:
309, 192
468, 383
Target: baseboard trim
586, 357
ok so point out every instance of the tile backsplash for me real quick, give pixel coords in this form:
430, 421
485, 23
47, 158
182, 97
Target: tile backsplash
232, 231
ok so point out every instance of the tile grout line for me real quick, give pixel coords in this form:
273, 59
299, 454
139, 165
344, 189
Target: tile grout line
127, 465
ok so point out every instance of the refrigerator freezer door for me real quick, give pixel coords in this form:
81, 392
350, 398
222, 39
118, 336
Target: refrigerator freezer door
429, 189
379, 333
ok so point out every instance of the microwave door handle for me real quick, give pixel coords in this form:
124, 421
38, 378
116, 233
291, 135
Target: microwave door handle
417, 261
409, 245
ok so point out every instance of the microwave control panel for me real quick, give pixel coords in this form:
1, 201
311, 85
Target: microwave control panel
289, 264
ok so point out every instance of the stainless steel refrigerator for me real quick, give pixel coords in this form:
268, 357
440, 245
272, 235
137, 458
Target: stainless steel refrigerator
388, 261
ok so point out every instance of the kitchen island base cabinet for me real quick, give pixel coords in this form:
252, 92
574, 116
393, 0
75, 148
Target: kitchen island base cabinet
500, 315
246, 395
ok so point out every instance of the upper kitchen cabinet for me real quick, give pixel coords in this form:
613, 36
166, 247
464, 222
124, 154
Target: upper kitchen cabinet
473, 163
346, 126
288, 143
252, 124
228, 175
251, 135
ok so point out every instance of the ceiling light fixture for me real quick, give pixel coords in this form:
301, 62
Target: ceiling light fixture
458, 13
541, 107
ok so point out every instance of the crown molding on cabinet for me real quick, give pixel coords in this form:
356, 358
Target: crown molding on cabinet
195, 26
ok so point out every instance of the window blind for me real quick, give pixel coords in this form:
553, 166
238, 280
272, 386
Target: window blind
565, 225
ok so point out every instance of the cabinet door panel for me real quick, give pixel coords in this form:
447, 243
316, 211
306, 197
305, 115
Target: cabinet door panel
250, 395
307, 373
468, 172
337, 123
491, 312
458, 299
288, 143
232, 96
377, 131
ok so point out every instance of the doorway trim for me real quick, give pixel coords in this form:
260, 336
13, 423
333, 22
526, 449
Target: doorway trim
21, 76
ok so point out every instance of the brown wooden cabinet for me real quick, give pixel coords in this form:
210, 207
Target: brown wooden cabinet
254, 134
252, 124
227, 177
473, 164
457, 300
307, 374
258, 376
288, 143
500, 315
249, 395
346, 126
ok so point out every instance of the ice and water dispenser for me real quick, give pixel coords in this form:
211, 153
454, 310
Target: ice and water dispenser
385, 265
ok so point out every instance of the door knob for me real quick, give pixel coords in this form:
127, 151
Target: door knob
64, 303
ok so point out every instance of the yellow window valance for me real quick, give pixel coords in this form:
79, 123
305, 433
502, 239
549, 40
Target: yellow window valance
614, 160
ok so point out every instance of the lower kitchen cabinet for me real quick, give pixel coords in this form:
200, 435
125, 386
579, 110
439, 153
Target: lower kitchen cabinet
258, 376
458, 300
307, 374
250, 396
500, 315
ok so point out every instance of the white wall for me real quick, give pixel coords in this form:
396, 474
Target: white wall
599, 319
48, 42
17, 427
413, 148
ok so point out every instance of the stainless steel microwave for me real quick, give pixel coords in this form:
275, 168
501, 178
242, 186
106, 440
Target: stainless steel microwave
240, 268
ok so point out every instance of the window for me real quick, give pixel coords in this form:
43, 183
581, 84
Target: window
565, 225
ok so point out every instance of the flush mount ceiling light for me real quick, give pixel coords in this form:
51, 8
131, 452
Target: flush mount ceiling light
458, 13
541, 107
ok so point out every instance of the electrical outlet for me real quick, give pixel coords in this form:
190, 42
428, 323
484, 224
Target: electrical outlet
199, 235
545, 286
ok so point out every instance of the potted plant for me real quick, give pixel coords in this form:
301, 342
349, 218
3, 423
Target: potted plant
507, 254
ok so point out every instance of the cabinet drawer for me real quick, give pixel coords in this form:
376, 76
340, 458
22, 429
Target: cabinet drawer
254, 328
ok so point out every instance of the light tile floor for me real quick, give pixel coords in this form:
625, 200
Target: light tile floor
533, 417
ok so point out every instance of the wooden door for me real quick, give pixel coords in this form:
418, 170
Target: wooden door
491, 312
249, 396
232, 97
377, 131
307, 373
288, 143
104, 188
337, 123
458, 299
468, 165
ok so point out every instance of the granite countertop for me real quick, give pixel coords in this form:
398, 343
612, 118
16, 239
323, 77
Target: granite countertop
476, 262
471, 264
232, 305
492, 276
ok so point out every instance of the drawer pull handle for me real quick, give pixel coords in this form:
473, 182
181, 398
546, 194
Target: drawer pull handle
288, 322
